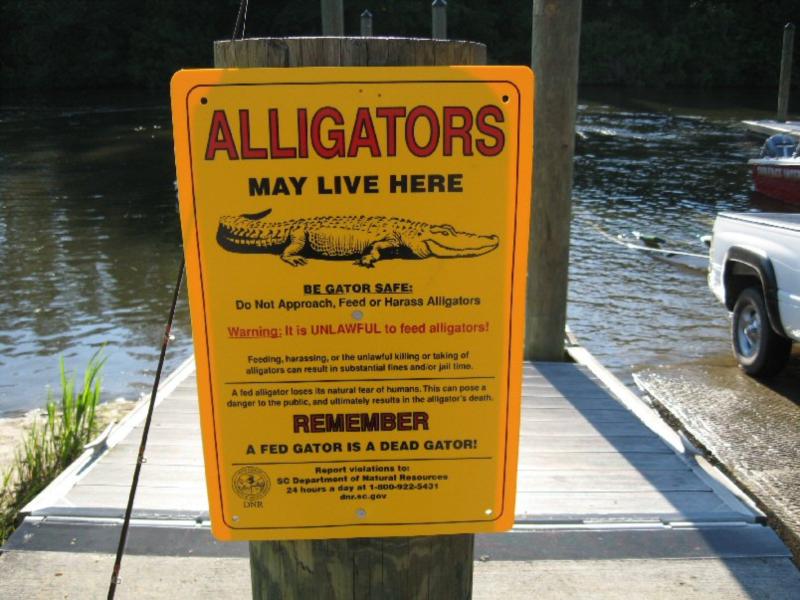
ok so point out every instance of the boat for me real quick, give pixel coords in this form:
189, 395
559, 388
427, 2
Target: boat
776, 173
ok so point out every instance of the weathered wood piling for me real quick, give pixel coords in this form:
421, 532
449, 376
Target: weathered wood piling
400, 567
556, 34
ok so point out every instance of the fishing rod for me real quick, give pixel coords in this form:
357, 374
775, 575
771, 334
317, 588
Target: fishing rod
140, 459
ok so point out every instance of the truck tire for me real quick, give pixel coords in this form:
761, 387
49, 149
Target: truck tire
759, 350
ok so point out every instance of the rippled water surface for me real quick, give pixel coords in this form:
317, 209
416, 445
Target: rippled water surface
88, 243
664, 170
89, 234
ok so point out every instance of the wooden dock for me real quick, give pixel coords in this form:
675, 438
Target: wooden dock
584, 457
601, 478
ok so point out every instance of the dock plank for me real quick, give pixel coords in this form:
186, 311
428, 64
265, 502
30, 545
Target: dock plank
597, 444
153, 476
595, 394
573, 428
685, 504
158, 453
565, 389
582, 402
178, 499
625, 481
571, 414
599, 462
166, 435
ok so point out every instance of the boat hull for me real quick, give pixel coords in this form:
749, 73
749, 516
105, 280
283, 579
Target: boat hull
777, 178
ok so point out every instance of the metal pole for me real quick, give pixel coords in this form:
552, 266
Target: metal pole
786, 72
556, 35
439, 20
366, 23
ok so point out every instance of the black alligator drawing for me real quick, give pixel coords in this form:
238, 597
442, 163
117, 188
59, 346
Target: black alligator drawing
367, 239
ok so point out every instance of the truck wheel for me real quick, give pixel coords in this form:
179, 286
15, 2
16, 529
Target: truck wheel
760, 351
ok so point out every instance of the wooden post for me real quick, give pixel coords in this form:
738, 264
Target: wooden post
332, 17
786, 72
366, 23
556, 34
439, 20
433, 567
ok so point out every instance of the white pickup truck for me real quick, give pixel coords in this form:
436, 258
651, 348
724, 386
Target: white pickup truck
754, 270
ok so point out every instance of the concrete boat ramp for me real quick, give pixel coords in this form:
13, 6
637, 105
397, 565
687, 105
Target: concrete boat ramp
750, 426
612, 503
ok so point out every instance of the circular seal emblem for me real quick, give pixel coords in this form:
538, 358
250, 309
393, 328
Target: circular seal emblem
250, 483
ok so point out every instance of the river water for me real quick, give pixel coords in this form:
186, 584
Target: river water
89, 245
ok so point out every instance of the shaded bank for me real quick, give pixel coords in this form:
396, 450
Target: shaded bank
50, 443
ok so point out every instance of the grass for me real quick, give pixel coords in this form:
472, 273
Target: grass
52, 443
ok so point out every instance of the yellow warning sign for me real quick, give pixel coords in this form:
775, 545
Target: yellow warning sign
356, 245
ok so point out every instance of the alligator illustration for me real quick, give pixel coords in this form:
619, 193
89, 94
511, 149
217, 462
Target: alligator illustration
367, 239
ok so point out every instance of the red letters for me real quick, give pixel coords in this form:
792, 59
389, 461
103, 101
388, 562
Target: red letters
274, 138
329, 134
302, 133
244, 131
334, 135
363, 135
452, 131
411, 141
219, 125
490, 130
391, 114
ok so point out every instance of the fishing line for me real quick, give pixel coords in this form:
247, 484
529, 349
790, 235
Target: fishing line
241, 19
123, 537
643, 248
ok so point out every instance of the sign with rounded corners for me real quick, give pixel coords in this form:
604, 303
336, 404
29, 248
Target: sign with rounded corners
356, 245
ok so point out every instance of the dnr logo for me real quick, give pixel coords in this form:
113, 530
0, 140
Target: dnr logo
251, 484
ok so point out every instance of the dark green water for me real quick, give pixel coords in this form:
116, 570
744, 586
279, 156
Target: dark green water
89, 244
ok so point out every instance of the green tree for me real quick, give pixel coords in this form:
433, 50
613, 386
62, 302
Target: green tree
91, 44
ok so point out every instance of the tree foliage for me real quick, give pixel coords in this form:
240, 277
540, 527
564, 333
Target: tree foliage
121, 43
698, 43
